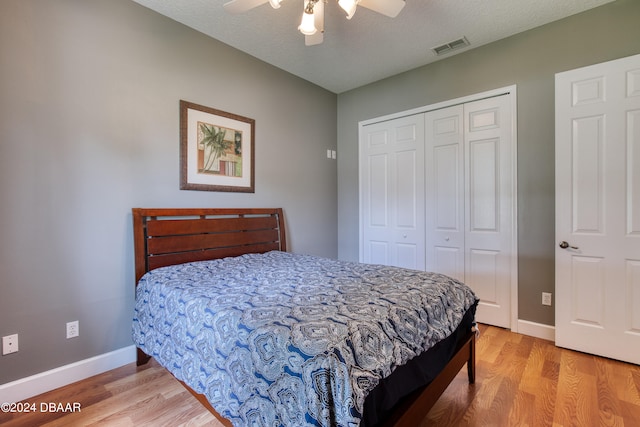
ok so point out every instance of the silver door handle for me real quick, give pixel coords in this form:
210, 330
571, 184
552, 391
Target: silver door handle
565, 245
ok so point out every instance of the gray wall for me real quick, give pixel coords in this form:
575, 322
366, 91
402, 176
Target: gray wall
89, 93
528, 60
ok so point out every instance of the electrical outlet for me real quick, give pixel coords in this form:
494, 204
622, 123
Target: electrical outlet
73, 329
546, 298
9, 344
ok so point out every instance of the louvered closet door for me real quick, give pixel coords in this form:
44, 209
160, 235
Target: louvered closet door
392, 188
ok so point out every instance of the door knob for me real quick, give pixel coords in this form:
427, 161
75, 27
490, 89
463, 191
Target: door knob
565, 245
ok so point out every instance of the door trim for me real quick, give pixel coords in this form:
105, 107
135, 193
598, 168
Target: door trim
511, 91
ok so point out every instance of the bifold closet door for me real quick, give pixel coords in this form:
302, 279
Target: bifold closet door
489, 206
437, 193
468, 200
392, 192
444, 191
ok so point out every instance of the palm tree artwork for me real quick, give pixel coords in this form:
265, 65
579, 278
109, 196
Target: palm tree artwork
218, 154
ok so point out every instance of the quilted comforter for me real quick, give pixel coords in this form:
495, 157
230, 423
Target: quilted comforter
280, 339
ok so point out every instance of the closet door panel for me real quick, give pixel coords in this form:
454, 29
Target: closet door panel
392, 192
444, 191
446, 172
377, 194
489, 217
483, 269
484, 191
406, 207
378, 252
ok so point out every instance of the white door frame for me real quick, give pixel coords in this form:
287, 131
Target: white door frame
512, 93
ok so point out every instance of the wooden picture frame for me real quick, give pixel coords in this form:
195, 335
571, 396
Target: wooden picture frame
216, 150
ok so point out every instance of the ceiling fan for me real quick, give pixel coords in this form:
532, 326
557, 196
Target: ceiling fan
312, 23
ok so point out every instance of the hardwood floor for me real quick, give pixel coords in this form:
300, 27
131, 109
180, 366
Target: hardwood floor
520, 381
526, 381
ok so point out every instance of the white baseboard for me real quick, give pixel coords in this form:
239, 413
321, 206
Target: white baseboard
537, 330
34, 385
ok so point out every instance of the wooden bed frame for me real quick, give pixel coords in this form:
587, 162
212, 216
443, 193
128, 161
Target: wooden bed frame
177, 235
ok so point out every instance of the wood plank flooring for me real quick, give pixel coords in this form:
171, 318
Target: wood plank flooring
521, 381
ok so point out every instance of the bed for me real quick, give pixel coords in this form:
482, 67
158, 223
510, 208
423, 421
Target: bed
265, 337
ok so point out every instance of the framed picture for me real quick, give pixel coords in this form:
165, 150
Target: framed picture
216, 150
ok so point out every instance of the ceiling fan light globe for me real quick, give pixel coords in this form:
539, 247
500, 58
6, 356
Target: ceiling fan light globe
275, 3
307, 25
348, 6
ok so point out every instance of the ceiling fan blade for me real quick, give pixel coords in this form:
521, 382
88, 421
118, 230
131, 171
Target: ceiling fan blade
390, 8
240, 6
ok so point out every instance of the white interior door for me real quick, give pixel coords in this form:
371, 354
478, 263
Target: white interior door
392, 188
598, 209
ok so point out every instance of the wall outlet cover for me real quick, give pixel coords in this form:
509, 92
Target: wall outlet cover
10, 344
73, 329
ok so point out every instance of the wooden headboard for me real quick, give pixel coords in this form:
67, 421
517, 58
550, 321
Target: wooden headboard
171, 236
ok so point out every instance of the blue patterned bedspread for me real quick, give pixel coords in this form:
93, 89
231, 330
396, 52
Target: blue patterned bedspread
293, 340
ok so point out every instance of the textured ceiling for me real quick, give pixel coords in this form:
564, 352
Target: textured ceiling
370, 46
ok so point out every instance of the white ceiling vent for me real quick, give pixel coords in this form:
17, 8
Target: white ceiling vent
448, 47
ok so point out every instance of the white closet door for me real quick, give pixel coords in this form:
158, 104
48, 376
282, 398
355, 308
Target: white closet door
444, 191
598, 209
392, 188
437, 193
489, 208
469, 200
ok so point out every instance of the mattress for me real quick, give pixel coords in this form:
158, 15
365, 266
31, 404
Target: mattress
293, 340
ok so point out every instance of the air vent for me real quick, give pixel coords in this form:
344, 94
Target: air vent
448, 47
